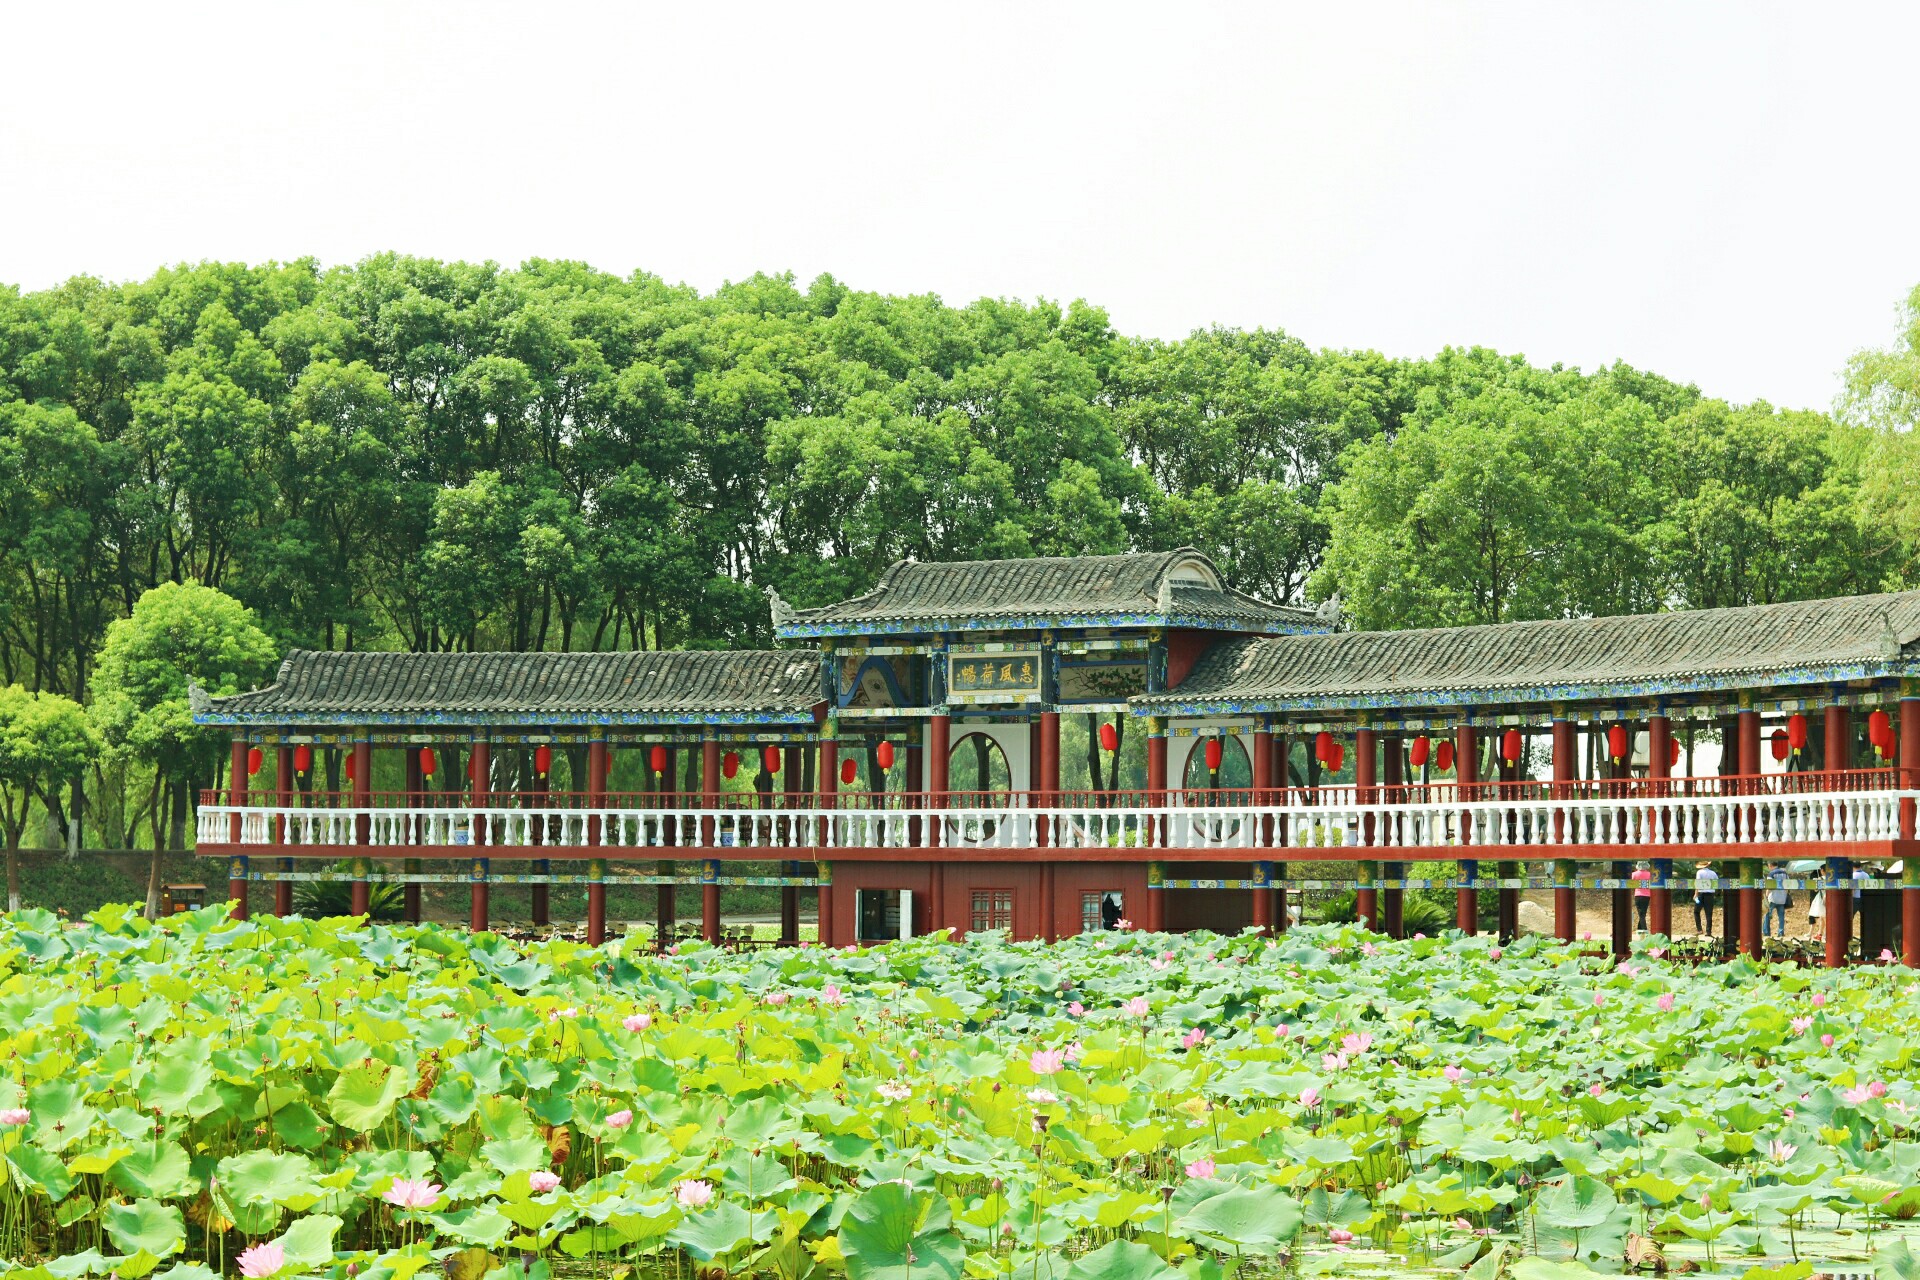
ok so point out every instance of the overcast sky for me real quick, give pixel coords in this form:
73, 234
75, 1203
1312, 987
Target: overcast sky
1723, 193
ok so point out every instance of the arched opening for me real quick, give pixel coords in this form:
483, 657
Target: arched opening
1230, 785
980, 783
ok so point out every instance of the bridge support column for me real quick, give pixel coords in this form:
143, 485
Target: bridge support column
1466, 771
1750, 942
411, 892
477, 916
360, 891
1839, 912
596, 901
1566, 767
1365, 900
823, 910
1366, 790
709, 837
1156, 906
1660, 904
1660, 773
1564, 919
237, 797
283, 781
1393, 777
480, 778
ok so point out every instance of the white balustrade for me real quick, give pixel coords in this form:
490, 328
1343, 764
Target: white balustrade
1671, 822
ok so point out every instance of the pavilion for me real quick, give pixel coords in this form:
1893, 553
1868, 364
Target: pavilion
906, 766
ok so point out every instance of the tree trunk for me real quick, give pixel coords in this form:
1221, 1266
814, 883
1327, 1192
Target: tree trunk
153, 882
13, 875
177, 828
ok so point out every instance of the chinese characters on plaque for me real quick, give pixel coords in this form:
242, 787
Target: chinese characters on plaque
974, 674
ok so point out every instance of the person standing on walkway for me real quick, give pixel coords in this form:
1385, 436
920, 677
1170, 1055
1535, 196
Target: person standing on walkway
1778, 900
1706, 883
1642, 878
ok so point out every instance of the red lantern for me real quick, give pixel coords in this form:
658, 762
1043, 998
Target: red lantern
1337, 758
1323, 745
1616, 742
848, 771
1880, 732
657, 759
1779, 743
1443, 758
729, 764
428, 762
1510, 746
253, 760
1797, 732
1213, 755
1673, 752
884, 754
1109, 737
770, 760
543, 760
349, 766
1421, 752
302, 758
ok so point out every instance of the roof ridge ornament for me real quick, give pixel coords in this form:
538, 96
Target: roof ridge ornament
198, 703
1163, 599
1889, 639
1331, 612
782, 611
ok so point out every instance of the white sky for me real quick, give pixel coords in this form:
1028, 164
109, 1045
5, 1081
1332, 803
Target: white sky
1723, 193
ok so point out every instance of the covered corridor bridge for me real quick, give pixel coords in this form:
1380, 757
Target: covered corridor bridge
906, 765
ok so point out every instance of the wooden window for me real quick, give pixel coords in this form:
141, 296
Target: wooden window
1094, 910
992, 909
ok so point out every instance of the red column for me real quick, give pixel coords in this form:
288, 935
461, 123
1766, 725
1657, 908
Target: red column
1659, 770
1566, 765
1366, 791
1749, 899
1156, 913
939, 758
827, 785
416, 785
1910, 883
790, 838
1466, 766
915, 797
237, 796
1839, 927
709, 799
596, 801
283, 780
1392, 901
666, 915
1262, 796
1622, 899
480, 761
361, 900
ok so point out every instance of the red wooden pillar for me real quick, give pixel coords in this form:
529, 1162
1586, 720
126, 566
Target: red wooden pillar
596, 867
1263, 836
538, 793
1622, 899
415, 799
915, 797
1278, 829
666, 914
1566, 767
1366, 907
1156, 913
1049, 784
283, 780
1749, 899
1659, 771
790, 837
939, 759
709, 843
1466, 770
236, 862
1910, 871
480, 765
1839, 736
827, 781
1392, 900
1509, 898
361, 900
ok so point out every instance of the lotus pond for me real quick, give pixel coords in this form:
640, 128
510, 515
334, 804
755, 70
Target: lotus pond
283, 1098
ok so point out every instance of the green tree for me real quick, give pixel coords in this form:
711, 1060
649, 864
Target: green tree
45, 742
179, 636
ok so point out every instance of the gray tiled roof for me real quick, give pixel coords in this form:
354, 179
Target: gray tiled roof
352, 688
914, 595
1556, 659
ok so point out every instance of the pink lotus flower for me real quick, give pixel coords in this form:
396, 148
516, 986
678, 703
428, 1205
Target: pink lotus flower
1494, 954
637, 1021
1627, 969
832, 995
1855, 1097
14, 1117
1599, 999
1281, 1031
413, 1193
1333, 1062
1781, 1152
895, 1091
1819, 999
1047, 1061
1595, 1089
1452, 1073
1368, 949
262, 1260
1800, 1025
1665, 1002
1877, 1089
541, 1181
1076, 1010
1076, 1051
1826, 1042
1157, 963
777, 997
693, 1193
555, 1015
1706, 1201
1886, 956
1193, 1038
1356, 1044
1042, 1097
1137, 1007
620, 1119
1340, 1235
1309, 1097
1202, 1168
1123, 926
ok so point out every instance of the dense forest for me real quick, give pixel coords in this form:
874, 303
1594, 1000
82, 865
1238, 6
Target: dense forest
406, 453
